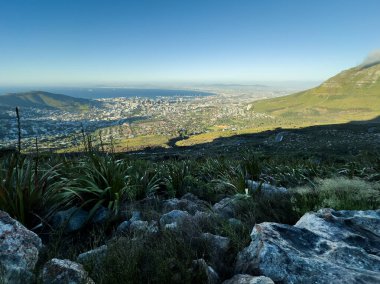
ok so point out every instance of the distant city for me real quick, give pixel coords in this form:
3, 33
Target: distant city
180, 112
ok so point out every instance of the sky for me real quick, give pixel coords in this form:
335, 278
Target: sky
111, 42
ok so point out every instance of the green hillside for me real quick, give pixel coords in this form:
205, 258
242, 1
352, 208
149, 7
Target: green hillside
40, 99
353, 94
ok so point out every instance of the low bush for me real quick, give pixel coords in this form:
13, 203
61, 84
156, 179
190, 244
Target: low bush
162, 258
338, 193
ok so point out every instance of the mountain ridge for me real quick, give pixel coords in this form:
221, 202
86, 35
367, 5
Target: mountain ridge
47, 100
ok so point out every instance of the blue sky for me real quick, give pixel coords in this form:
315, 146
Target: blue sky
78, 42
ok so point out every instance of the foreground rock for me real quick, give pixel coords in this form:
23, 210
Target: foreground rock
19, 250
248, 279
57, 271
324, 247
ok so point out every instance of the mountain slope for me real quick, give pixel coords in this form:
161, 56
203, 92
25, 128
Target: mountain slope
40, 99
353, 94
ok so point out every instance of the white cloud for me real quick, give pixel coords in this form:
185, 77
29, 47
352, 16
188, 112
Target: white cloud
372, 58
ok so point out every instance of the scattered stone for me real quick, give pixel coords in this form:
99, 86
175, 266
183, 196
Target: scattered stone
324, 247
57, 271
195, 204
204, 220
143, 227
200, 268
123, 228
265, 188
173, 219
280, 136
71, 219
19, 250
248, 279
189, 202
101, 215
217, 249
228, 207
93, 257
136, 216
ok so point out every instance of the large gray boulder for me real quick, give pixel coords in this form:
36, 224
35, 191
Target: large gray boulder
64, 271
248, 279
19, 250
324, 247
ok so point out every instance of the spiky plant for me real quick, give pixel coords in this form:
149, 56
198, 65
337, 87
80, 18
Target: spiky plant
232, 180
145, 183
176, 175
102, 181
30, 194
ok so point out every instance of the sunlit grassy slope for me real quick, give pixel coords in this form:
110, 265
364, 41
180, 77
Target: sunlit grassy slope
124, 145
353, 94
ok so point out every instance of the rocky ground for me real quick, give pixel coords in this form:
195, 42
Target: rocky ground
327, 246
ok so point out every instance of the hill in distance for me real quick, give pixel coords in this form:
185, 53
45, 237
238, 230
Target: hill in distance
40, 99
353, 94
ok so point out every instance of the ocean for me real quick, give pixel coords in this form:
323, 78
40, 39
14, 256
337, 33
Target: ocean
97, 93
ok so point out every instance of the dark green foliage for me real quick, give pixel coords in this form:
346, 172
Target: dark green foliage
29, 193
102, 181
177, 175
